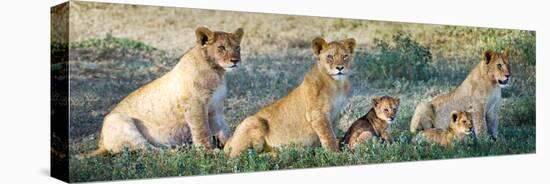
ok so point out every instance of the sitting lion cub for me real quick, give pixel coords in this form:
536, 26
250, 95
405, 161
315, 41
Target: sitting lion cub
374, 124
307, 115
183, 105
481, 88
459, 127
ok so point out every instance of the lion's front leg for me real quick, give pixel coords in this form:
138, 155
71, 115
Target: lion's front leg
493, 122
218, 126
324, 130
196, 117
480, 124
386, 137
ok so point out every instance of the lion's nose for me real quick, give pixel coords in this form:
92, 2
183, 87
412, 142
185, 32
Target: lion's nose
340, 68
235, 61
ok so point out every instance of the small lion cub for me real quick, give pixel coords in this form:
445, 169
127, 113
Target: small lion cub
374, 124
460, 127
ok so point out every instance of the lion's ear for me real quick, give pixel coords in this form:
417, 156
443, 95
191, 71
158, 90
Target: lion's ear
454, 116
397, 100
375, 101
488, 55
239, 34
317, 45
204, 35
350, 44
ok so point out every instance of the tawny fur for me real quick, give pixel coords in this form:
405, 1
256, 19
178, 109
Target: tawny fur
459, 127
375, 124
307, 116
185, 105
481, 89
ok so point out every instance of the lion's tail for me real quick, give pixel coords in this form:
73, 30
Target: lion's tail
424, 112
98, 152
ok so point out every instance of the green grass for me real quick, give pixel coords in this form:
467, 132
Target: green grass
110, 42
190, 161
104, 70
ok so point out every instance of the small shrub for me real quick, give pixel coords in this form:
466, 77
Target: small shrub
521, 44
110, 42
403, 58
519, 111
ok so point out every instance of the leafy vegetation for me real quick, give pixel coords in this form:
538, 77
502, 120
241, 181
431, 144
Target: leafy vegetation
110, 42
185, 161
403, 58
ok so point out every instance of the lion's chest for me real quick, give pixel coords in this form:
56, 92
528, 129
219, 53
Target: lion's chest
337, 104
218, 95
493, 100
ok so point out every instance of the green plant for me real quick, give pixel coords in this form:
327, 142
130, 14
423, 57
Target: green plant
184, 161
110, 42
521, 44
403, 58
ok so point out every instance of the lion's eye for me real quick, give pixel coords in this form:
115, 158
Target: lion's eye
221, 48
238, 48
499, 66
329, 57
345, 57
385, 109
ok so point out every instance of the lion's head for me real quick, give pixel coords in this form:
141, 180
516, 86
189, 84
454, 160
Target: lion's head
498, 67
386, 108
461, 122
222, 48
334, 58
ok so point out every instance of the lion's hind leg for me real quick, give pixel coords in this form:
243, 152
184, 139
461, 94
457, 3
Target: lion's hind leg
423, 117
120, 131
359, 138
249, 134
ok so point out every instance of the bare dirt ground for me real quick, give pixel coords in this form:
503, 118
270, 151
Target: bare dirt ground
172, 29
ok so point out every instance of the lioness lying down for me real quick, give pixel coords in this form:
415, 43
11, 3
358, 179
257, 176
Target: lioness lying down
482, 89
184, 105
307, 115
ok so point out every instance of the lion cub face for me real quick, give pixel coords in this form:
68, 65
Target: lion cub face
461, 122
386, 107
334, 58
222, 48
498, 67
